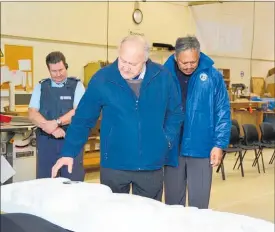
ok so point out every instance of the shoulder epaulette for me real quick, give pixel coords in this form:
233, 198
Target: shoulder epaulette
45, 79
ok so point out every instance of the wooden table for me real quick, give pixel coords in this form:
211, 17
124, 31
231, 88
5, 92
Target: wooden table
20, 110
91, 159
240, 112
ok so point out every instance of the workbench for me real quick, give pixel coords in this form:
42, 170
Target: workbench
270, 117
23, 160
240, 112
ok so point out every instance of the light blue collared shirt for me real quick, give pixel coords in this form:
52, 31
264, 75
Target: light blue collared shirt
142, 74
35, 99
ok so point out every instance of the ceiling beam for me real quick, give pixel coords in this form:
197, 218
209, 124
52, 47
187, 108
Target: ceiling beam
198, 3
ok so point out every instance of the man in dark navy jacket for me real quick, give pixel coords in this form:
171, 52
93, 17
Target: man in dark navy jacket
141, 117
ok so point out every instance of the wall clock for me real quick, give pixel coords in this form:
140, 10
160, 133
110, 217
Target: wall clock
137, 16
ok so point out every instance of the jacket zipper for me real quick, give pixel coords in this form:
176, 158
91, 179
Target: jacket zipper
107, 143
136, 99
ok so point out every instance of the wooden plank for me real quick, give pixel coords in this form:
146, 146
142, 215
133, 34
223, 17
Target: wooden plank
91, 159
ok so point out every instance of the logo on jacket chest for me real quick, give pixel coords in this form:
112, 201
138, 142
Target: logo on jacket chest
203, 76
65, 98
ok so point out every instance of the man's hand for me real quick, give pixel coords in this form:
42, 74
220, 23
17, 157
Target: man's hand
216, 156
67, 161
59, 133
49, 126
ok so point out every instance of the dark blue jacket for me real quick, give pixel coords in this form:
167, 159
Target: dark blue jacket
207, 120
55, 102
135, 132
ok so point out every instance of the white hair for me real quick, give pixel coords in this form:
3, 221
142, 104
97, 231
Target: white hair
141, 40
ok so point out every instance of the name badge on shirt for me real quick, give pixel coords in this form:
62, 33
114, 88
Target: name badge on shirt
65, 98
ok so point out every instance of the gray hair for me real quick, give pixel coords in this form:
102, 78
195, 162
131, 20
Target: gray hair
140, 39
186, 43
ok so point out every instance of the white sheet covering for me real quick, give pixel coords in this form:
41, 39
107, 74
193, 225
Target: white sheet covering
85, 207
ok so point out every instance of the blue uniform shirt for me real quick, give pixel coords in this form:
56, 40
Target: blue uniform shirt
35, 99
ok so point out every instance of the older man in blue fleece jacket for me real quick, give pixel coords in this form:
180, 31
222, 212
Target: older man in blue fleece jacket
141, 117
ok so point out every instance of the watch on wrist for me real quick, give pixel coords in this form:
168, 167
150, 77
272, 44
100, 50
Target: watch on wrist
58, 121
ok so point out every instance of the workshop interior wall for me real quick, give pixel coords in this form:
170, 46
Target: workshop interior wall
238, 36
80, 31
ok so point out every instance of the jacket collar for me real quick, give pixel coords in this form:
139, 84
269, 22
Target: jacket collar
150, 73
205, 62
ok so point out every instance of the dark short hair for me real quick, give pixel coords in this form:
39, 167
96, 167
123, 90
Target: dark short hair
55, 57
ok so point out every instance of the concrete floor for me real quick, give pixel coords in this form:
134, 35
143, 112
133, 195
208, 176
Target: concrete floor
251, 195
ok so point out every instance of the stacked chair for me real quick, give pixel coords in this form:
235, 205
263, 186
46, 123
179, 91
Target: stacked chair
250, 141
234, 147
267, 138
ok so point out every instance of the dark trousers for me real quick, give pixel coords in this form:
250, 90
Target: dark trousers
195, 174
48, 150
144, 183
20, 222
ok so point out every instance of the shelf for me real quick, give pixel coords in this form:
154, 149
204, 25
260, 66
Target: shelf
226, 76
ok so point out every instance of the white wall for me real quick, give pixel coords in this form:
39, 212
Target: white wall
214, 23
79, 29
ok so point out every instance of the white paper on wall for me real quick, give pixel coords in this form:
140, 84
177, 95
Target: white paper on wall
208, 35
24, 79
29, 77
220, 38
5, 74
18, 77
12, 96
24, 65
230, 39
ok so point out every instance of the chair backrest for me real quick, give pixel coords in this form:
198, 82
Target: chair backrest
234, 136
267, 131
251, 135
236, 124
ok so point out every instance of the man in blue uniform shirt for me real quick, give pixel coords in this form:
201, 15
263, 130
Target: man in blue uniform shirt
206, 128
51, 108
141, 117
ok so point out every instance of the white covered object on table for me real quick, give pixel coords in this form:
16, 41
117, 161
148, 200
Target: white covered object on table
84, 207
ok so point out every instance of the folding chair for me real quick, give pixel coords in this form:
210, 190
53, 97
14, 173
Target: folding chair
235, 123
233, 148
267, 138
251, 142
